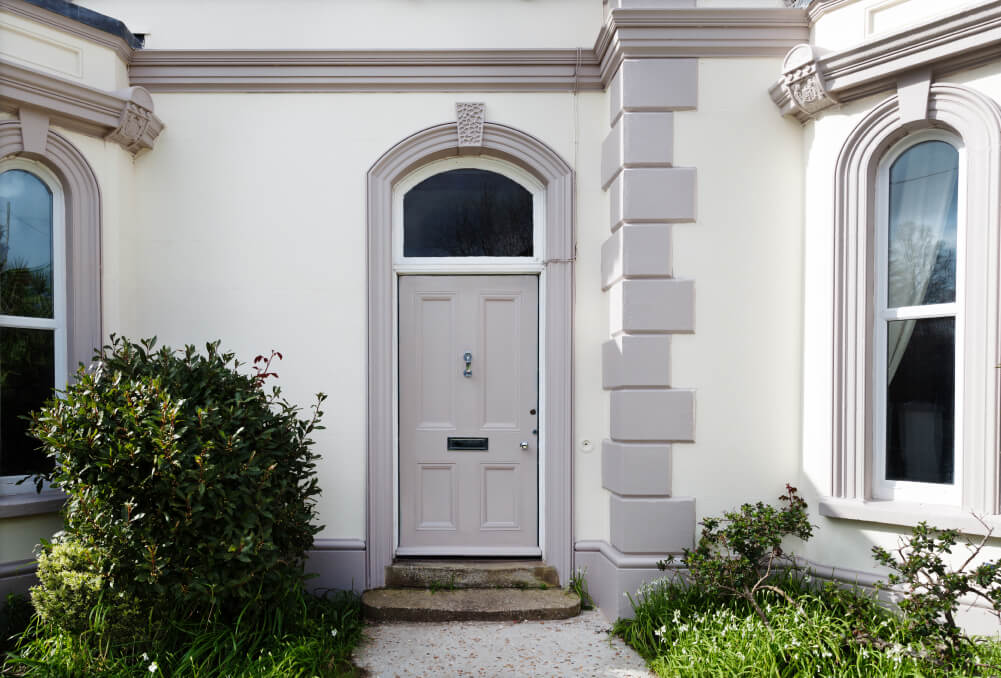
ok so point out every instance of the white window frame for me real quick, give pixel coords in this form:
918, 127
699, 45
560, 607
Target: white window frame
8, 484
933, 493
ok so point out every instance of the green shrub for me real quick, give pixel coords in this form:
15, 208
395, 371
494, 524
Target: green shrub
194, 484
931, 589
736, 554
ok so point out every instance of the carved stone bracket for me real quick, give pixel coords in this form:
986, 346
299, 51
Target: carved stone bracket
133, 131
470, 118
803, 83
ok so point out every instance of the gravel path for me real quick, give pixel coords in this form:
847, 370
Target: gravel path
551, 649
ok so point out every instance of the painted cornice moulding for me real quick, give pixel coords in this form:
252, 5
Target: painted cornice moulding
95, 35
627, 34
969, 38
125, 117
531, 70
818, 8
665, 33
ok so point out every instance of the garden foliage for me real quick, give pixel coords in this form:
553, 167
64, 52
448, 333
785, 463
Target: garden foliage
190, 486
736, 554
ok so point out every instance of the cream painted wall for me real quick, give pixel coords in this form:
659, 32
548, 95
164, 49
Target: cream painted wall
113, 167
844, 542
348, 24
744, 254
852, 24
33, 45
250, 227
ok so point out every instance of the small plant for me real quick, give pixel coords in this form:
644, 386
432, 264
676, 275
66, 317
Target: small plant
578, 585
15, 613
931, 589
736, 554
437, 585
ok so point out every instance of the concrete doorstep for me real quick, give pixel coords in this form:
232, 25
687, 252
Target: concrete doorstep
422, 605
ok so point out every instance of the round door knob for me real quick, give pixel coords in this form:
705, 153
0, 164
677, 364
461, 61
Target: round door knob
524, 445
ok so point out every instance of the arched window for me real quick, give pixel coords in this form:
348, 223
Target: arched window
916, 340
33, 358
917, 361
482, 211
467, 212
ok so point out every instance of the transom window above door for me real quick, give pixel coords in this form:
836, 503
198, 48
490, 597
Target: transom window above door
469, 213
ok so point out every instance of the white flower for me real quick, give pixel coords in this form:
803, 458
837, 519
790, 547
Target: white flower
333, 633
153, 668
145, 657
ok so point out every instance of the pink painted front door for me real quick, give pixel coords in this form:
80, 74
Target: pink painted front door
468, 445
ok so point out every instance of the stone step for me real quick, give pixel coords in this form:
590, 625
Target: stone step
423, 605
471, 574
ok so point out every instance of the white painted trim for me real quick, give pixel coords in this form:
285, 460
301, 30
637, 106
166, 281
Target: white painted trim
486, 551
480, 266
881, 488
8, 484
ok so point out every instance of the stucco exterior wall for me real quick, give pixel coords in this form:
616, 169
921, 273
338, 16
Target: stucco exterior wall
743, 252
29, 43
258, 238
373, 24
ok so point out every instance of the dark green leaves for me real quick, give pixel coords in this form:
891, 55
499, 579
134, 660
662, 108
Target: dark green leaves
170, 458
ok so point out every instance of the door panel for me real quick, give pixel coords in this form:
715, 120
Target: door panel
470, 500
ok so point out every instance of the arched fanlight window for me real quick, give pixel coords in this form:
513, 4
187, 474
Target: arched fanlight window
468, 212
917, 360
32, 308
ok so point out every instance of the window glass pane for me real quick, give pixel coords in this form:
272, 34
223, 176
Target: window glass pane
922, 237
27, 375
467, 213
25, 245
920, 400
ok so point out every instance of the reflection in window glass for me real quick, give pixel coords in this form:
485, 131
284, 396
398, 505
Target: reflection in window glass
27, 373
920, 402
25, 246
467, 213
922, 236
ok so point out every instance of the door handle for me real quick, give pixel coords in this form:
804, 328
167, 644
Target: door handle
468, 358
524, 445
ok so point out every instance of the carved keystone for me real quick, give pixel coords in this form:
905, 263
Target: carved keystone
470, 117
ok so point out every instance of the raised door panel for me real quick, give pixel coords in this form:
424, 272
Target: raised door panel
479, 494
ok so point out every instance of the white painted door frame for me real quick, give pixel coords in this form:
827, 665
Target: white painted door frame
534, 265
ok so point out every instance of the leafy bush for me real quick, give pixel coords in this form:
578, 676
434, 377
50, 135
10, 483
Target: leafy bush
194, 484
931, 589
736, 554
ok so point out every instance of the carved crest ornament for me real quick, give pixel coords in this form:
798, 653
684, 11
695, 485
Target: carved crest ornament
802, 80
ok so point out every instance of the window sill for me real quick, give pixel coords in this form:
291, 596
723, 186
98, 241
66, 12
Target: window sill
908, 515
31, 504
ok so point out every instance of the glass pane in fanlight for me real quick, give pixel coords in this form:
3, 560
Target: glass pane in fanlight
27, 375
25, 245
920, 400
467, 213
922, 225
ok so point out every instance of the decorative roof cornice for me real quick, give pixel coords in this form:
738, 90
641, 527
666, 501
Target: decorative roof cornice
125, 117
365, 70
113, 41
969, 38
628, 33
